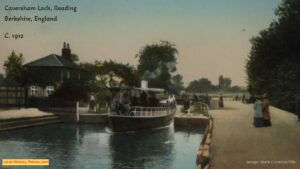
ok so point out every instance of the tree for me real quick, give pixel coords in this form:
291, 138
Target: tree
200, 86
227, 83
234, 89
177, 83
74, 57
224, 83
273, 65
71, 91
117, 74
13, 67
156, 63
92, 82
221, 82
103, 75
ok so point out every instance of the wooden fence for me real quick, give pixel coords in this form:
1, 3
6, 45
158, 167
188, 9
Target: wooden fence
12, 96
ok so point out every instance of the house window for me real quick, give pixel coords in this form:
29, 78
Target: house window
33, 90
49, 90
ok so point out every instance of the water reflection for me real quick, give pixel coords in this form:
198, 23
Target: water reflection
50, 142
91, 146
142, 150
188, 131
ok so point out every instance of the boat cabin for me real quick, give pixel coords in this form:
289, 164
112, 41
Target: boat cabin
125, 99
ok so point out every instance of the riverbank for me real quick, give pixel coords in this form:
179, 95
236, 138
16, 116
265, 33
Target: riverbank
10, 114
22, 118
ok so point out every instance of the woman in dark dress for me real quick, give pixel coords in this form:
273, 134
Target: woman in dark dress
266, 111
221, 103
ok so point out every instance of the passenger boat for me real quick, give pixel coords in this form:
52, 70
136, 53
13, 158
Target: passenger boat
135, 109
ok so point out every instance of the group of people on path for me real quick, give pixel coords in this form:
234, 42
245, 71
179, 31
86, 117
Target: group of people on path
262, 116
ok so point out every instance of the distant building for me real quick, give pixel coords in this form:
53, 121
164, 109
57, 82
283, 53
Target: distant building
43, 76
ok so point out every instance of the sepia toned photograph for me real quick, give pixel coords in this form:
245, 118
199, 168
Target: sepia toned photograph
149, 84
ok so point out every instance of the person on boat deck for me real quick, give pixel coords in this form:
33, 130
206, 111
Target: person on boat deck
134, 99
120, 108
171, 100
195, 98
125, 103
266, 111
144, 99
258, 120
92, 102
153, 101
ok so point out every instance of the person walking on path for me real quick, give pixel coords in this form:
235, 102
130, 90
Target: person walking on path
92, 102
207, 99
258, 120
186, 104
221, 103
266, 111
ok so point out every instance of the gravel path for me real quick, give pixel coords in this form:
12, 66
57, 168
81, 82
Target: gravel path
21, 113
236, 144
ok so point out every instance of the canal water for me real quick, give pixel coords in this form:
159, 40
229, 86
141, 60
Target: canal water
93, 146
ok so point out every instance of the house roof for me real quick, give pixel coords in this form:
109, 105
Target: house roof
8, 82
52, 60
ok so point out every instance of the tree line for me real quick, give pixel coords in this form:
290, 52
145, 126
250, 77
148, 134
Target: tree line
203, 85
157, 64
273, 65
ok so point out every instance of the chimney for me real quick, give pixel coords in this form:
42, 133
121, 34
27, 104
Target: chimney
66, 51
144, 84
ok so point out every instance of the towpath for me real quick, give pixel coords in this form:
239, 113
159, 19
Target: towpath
236, 144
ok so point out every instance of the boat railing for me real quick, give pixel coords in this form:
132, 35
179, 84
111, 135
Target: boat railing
139, 111
200, 107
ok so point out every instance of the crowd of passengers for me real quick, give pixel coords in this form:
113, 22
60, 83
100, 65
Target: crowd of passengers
127, 101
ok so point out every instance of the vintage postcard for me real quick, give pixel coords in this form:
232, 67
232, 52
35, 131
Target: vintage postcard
150, 84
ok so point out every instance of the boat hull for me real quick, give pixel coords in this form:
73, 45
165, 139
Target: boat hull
131, 123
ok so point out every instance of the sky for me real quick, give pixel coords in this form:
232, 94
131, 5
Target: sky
212, 36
